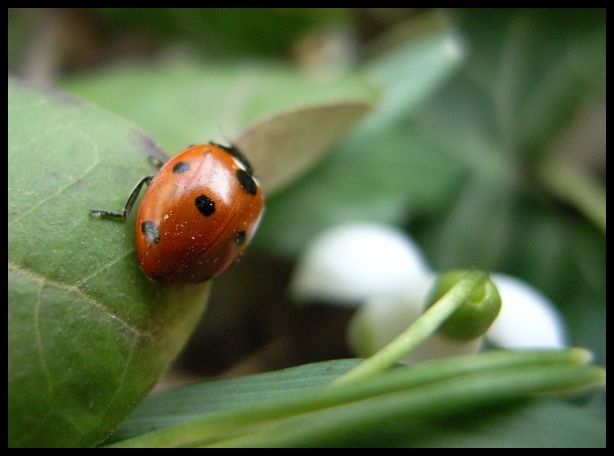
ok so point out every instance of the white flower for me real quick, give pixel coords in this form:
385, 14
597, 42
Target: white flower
527, 318
382, 270
352, 262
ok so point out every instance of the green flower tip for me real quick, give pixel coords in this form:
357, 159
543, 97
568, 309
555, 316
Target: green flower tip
475, 315
581, 355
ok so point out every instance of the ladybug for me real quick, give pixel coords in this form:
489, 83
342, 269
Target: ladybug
197, 214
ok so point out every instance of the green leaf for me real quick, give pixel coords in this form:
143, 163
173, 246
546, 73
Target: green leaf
89, 334
283, 121
399, 416
285, 145
188, 402
542, 423
293, 407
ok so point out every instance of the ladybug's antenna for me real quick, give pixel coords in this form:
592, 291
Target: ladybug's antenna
224, 136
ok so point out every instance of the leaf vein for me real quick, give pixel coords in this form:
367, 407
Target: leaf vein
44, 281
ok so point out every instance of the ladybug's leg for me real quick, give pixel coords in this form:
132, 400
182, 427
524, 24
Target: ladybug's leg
128, 207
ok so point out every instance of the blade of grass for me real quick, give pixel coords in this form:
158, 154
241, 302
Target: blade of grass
246, 419
340, 426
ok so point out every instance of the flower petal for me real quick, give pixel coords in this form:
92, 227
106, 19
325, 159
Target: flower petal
352, 262
527, 318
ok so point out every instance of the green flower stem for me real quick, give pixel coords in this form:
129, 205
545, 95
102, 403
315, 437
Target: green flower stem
419, 331
249, 419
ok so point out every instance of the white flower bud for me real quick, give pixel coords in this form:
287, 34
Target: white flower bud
352, 262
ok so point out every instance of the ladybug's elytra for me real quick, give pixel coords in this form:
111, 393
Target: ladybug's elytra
197, 215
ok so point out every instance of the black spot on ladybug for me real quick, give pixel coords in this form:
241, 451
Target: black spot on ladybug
238, 155
151, 230
181, 167
247, 181
205, 205
240, 238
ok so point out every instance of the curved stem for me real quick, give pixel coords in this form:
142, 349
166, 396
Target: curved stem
418, 332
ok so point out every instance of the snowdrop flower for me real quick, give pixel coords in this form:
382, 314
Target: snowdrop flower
526, 320
381, 270
349, 263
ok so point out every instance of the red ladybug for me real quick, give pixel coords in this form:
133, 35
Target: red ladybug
197, 215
